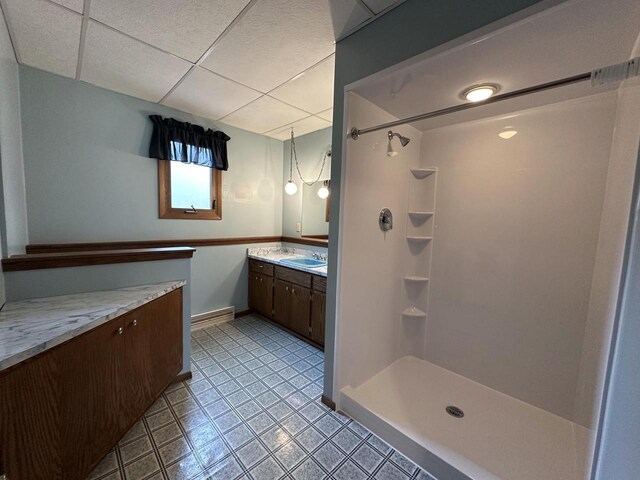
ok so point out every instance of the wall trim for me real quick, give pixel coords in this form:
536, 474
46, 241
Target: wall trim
40, 248
133, 244
85, 258
316, 242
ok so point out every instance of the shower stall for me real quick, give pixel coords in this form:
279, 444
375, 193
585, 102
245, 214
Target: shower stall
474, 335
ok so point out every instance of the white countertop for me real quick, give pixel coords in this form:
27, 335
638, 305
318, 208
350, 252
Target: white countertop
275, 255
29, 327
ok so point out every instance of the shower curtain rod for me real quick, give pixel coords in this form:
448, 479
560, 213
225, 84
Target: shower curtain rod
354, 133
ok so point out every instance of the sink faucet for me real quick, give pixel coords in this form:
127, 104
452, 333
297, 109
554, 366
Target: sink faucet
318, 256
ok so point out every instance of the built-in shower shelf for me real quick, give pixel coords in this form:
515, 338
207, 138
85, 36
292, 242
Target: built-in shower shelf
422, 172
414, 312
416, 279
420, 215
418, 239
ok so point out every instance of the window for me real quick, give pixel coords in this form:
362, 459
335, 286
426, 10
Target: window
190, 163
189, 191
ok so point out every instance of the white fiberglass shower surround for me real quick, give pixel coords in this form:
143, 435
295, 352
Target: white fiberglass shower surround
495, 292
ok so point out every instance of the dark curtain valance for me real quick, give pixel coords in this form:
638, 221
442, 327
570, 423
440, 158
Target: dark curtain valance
187, 143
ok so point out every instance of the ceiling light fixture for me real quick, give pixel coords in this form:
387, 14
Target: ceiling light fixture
478, 93
323, 191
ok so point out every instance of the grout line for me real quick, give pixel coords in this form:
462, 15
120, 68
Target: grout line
215, 43
369, 10
83, 36
14, 45
367, 22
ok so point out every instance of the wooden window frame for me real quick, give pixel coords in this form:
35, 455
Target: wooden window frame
164, 196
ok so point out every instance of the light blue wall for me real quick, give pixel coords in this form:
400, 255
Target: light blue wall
13, 227
412, 28
88, 179
310, 149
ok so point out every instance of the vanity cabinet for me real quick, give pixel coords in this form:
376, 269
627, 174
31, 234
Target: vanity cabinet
63, 410
291, 298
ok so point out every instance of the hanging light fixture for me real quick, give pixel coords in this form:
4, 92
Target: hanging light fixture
323, 191
291, 188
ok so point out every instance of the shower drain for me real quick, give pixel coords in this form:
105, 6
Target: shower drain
455, 411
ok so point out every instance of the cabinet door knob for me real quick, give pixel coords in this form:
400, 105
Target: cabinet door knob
286, 288
120, 331
260, 280
134, 323
293, 290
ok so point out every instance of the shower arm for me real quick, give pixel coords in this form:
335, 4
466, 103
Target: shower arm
600, 76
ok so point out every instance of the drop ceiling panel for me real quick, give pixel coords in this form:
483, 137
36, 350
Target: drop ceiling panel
46, 35
278, 39
76, 5
209, 95
327, 115
117, 62
312, 90
186, 29
379, 5
263, 115
301, 127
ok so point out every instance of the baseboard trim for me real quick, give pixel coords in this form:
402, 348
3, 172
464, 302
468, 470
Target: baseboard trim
214, 317
183, 376
328, 402
243, 313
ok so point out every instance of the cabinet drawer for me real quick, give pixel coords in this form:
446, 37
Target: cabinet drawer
319, 284
294, 276
261, 267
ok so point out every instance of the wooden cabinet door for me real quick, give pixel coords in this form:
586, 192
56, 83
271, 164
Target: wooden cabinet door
282, 303
299, 299
152, 356
89, 397
318, 311
261, 294
59, 411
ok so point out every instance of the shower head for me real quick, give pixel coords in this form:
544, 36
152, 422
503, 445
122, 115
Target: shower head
403, 141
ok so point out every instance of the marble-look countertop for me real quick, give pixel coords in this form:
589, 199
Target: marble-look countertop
275, 255
29, 327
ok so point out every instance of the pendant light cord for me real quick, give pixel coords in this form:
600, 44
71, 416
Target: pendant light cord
294, 156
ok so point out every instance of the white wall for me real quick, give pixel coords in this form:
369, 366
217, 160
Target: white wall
609, 259
310, 148
516, 232
14, 224
89, 179
370, 266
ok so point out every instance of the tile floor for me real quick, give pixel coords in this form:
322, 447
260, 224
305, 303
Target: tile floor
251, 411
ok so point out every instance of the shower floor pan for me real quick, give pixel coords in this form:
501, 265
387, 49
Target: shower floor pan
498, 438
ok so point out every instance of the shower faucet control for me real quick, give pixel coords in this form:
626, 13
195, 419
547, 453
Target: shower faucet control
385, 220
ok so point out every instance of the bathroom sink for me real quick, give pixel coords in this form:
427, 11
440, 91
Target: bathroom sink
304, 262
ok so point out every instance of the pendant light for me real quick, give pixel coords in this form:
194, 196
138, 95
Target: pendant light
323, 191
291, 188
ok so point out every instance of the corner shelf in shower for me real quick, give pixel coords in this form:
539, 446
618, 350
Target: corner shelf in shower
418, 239
421, 173
416, 279
420, 215
414, 312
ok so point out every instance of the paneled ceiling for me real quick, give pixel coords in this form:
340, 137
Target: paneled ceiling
260, 65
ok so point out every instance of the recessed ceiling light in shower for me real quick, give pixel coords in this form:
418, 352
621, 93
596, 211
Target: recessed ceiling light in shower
478, 93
